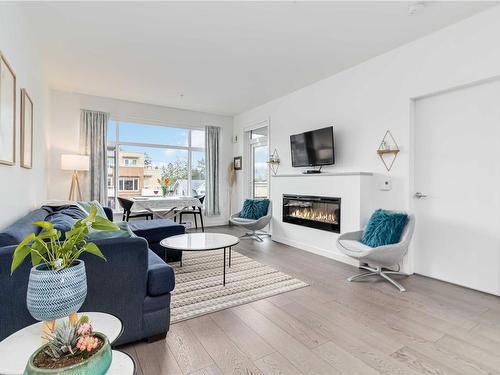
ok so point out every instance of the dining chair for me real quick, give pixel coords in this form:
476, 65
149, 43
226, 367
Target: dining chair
126, 204
195, 211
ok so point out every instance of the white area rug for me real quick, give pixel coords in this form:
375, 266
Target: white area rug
199, 288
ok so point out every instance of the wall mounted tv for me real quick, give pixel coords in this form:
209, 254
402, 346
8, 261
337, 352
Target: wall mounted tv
313, 148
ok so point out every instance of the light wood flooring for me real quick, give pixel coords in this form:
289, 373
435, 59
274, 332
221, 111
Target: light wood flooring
334, 327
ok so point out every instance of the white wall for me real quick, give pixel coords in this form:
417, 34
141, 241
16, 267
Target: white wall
366, 100
64, 134
23, 189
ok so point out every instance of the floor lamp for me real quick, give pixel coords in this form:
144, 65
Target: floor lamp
75, 163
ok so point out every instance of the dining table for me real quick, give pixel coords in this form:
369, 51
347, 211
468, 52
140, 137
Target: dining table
166, 207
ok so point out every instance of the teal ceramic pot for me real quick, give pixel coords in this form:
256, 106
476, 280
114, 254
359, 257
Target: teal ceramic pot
98, 364
54, 295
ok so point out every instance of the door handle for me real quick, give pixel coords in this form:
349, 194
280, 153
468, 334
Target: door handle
420, 195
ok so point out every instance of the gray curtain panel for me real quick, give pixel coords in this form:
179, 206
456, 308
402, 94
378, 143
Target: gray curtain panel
93, 141
212, 134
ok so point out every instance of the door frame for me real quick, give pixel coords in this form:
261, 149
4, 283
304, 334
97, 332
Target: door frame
247, 154
413, 145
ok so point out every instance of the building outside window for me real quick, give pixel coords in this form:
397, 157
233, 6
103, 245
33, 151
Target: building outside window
141, 155
128, 184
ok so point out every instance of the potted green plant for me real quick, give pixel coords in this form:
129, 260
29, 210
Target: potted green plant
57, 285
72, 349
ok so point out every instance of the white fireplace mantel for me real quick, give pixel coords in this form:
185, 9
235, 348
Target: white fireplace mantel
355, 190
323, 174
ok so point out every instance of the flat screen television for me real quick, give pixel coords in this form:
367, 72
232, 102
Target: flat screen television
313, 148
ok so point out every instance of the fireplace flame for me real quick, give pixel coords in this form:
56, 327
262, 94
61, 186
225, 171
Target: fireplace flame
313, 214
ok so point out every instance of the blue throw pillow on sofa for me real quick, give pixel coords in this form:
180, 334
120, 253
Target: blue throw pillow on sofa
123, 232
87, 205
384, 228
254, 208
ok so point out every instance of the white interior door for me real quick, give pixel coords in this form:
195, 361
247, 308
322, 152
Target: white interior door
457, 173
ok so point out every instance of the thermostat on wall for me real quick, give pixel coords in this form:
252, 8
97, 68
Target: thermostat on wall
385, 184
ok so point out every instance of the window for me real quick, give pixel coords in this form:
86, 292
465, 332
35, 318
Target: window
258, 133
130, 161
128, 184
111, 177
260, 171
146, 154
258, 154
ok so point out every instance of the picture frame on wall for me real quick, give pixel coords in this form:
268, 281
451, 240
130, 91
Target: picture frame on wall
238, 164
7, 113
26, 130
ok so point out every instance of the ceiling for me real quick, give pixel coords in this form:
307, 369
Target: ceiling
220, 57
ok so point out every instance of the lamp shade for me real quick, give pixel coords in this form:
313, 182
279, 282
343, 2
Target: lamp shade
75, 162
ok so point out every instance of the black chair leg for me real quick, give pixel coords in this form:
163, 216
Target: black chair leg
201, 219
195, 221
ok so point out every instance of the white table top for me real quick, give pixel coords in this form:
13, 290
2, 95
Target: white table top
199, 241
165, 203
16, 349
122, 364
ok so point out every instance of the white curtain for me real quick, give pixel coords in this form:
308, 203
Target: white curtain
93, 142
212, 134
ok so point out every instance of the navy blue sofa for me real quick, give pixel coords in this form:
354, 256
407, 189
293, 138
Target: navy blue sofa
134, 284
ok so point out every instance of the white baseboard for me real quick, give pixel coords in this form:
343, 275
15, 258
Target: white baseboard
216, 223
317, 250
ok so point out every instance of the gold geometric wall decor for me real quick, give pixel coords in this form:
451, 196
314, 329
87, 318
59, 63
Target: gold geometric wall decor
274, 161
388, 150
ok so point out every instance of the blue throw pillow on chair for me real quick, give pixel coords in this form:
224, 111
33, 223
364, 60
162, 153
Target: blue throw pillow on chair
384, 228
254, 209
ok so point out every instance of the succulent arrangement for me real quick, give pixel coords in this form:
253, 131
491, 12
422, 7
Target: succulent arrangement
72, 339
72, 348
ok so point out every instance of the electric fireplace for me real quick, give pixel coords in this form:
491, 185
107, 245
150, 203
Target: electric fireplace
312, 211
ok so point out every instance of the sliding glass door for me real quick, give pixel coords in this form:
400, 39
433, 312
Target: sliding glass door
259, 154
260, 171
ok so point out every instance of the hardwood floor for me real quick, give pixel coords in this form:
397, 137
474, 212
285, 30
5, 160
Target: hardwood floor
334, 327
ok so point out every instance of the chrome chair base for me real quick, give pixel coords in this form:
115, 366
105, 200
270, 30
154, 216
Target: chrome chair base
379, 271
255, 235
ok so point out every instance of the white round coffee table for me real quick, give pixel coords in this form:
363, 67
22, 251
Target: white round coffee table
17, 348
202, 242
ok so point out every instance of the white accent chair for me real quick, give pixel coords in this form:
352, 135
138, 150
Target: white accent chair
378, 259
254, 226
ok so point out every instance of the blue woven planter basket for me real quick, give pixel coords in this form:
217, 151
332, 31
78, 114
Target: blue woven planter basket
53, 295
